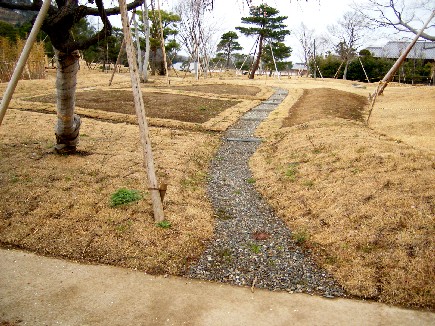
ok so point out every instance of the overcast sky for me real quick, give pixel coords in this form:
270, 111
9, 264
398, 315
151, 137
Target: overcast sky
315, 14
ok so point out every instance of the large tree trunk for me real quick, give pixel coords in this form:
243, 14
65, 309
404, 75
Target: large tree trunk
257, 61
68, 123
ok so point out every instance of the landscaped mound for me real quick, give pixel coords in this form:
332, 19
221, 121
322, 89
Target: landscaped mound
362, 202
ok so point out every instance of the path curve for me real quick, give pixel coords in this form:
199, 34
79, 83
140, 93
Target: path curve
251, 245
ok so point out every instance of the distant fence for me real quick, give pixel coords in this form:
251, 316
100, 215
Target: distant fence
9, 54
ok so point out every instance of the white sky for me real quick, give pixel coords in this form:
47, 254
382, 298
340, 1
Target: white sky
315, 14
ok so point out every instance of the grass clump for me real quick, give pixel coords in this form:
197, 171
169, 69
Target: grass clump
300, 237
124, 196
164, 224
292, 171
251, 180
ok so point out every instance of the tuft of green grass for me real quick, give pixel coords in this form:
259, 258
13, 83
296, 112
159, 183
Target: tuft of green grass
251, 180
124, 196
255, 248
309, 183
164, 224
202, 108
300, 236
292, 171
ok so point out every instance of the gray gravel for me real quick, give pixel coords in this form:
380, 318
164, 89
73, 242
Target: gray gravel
238, 254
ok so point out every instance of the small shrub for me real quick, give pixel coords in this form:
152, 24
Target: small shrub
124, 196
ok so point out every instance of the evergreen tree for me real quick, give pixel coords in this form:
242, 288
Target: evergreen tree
169, 25
227, 45
280, 52
267, 26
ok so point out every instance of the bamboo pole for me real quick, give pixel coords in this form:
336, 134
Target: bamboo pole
23, 58
384, 82
120, 53
274, 62
365, 73
140, 112
338, 70
118, 60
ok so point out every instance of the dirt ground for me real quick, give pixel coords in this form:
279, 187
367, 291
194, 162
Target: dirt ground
157, 105
360, 198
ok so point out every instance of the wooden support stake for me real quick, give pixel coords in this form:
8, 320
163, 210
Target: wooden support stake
120, 53
140, 112
384, 82
23, 59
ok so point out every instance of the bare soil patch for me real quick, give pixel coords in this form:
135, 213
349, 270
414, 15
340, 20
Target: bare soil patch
321, 103
157, 105
362, 202
221, 89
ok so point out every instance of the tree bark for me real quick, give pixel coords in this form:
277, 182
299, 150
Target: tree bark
68, 123
346, 66
139, 52
257, 61
147, 41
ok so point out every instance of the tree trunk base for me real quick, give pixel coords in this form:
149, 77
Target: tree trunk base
67, 143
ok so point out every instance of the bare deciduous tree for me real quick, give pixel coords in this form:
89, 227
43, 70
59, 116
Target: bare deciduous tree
349, 32
402, 15
196, 29
305, 36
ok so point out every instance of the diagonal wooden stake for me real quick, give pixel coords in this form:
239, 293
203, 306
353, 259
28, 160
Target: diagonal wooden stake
140, 112
23, 59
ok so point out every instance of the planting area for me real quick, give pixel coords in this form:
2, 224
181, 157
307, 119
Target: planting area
360, 199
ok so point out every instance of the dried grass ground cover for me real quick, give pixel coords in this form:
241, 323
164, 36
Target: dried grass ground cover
59, 206
361, 201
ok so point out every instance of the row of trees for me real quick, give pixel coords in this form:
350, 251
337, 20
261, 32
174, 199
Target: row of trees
365, 65
345, 38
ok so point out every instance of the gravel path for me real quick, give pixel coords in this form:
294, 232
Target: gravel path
251, 245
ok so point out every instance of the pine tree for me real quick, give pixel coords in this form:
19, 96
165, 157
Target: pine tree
267, 26
227, 45
280, 51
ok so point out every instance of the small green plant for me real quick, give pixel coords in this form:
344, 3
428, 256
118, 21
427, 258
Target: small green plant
121, 228
300, 236
164, 224
255, 248
124, 196
202, 108
292, 171
225, 254
251, 180
309, 183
